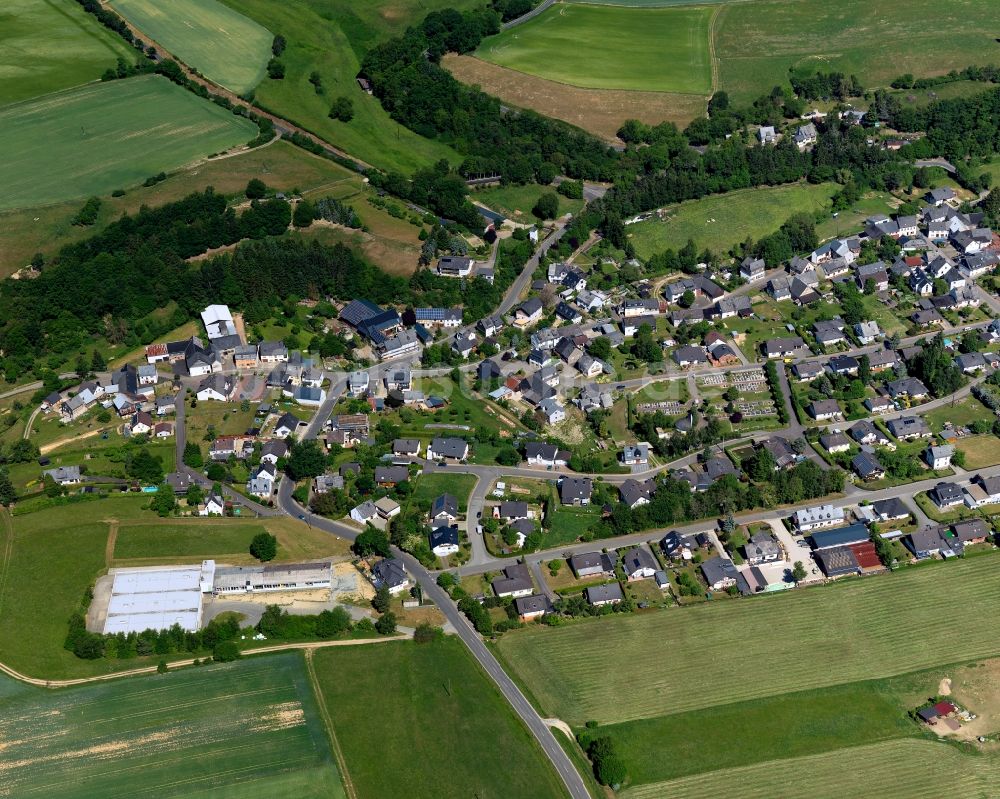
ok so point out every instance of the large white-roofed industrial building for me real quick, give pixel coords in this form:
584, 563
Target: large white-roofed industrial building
156, 598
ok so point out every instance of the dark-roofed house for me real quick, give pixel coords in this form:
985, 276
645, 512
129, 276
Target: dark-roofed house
867, 466
931, 541
509, 511
532, 607
409, 447
908, 387
515, 582
720, 573
890, 510
909, 427
720, 466
635, 493
784, 456
782, 347
825, 410
448, 449
598, 595
971, 531
444, 540
946, 495
689, 356
837, 561
835, 442
540, 454
444, 508
391, 573
638, 564
575, 490
391, 475
592, 564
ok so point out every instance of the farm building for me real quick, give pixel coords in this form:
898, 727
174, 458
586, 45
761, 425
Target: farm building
278, 577
157, 598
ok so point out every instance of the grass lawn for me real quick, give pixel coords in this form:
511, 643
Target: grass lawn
281, 165
980, 451
450, 733
325, 40
757, 43
847, 222
721, 221
48, 45
858, 629
517, 201
567, 524
259, 734
222, 44
965, 412
603, 47
98, 138
430, 486
196, 539
225, 418
786, 725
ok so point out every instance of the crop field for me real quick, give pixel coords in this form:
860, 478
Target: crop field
904, 769
281, 165
718, 222
450, 732
98, 138
606, 47
600, 111
757, 43
859, 630
222, 44
248, 729
324, 40
48, 45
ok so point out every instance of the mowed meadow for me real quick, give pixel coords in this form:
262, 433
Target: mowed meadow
48, 45
249, 729
617, 669
609, 47
105, 136
222, 44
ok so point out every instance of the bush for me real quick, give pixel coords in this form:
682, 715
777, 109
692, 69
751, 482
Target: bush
547, 206
386, 624
275, 69
264, 547
226, 652
426, 633
256, 189
342, 109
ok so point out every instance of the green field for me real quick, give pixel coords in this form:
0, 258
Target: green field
248, 729
517, 201
422, 720
786, 725
607, 47
430, 486
857, 630
719, 222
904, 769
193, 539
112, 135
330, 38
757, 43
48, 45
222, 44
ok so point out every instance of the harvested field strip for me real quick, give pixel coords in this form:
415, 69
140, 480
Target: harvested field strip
860, 629
600, 111
195, 539
198, 729
908, 769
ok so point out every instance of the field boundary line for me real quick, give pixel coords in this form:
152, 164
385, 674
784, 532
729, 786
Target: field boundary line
109, 547
338, 753
261, 650
8, 550
713, 59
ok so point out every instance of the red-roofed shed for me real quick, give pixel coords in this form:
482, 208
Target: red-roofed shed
866, 555
944, 708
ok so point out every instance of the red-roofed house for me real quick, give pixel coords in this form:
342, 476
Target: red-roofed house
944, 708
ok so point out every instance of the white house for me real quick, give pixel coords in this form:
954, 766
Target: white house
364, 512
261, 482
218, 387
214, 506
939, 457
818, 517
